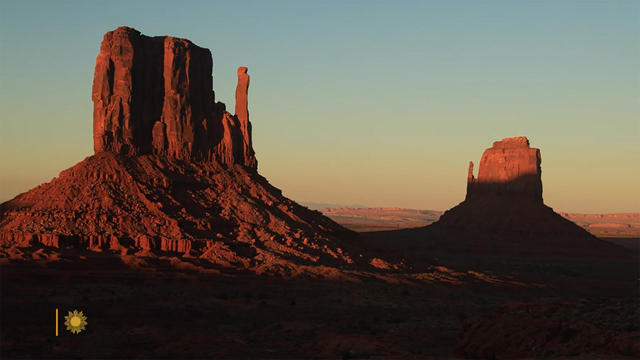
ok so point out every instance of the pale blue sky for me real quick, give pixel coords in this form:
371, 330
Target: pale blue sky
380, 103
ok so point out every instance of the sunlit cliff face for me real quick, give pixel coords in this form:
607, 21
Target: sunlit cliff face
154, 95
509, 168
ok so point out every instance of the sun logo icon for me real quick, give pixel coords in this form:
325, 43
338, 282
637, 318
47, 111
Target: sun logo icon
75, 321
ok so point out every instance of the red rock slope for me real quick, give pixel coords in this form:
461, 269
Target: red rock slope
173, 171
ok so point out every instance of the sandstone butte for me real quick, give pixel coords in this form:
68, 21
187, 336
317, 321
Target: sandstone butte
154, 95
509, 168
173, 173
504, 212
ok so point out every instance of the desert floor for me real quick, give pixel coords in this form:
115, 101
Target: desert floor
461, 307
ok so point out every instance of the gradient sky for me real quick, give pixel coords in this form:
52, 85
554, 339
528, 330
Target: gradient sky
378, 103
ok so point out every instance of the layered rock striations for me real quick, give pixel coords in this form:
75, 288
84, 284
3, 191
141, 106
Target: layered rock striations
154, 95
173, 172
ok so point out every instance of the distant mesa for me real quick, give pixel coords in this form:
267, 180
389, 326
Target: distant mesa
173, 173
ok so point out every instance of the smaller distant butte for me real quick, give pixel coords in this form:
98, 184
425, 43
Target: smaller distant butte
510, 169
503, 211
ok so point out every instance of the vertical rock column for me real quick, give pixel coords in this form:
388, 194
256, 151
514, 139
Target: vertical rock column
242, 114
188, 100
114, 85
470, 178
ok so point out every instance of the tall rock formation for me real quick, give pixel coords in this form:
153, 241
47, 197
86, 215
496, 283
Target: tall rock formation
154, 95
510, 169
173, 173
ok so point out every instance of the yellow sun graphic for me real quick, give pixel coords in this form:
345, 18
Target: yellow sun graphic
75, 321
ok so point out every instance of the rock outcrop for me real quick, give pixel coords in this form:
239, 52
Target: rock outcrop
510, 169
154, 95
174, 173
